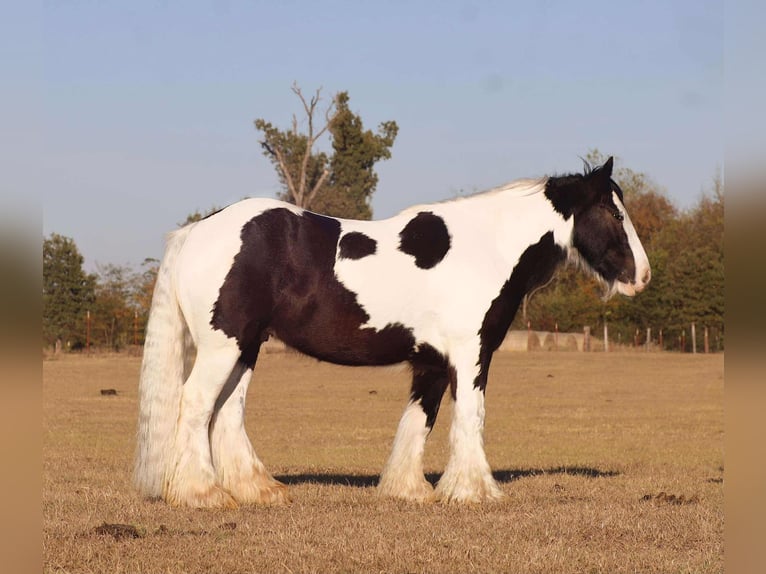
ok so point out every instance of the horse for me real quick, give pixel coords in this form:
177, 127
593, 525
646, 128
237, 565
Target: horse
436, 286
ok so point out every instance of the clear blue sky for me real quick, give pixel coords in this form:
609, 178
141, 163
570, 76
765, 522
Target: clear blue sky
147, 108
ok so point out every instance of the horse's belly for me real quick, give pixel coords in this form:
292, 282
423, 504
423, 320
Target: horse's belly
343, 344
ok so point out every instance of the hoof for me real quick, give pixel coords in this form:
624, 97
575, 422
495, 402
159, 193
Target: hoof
416, 490
210, 497
260, 490
485, 490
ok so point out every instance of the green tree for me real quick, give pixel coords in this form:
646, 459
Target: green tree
114, 310
692, 281
122, 304
68, 291
342, 184
144, 290
352, 178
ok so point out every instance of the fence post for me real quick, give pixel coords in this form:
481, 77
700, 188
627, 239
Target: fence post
529, 334
648, 338
660, 342
707, 340
87, 332
586, 338
694, 338
556, 336
606, 338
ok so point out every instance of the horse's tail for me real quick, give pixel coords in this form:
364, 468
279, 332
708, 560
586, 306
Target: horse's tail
162, 375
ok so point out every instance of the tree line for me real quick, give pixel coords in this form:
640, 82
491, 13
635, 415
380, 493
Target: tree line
108, 309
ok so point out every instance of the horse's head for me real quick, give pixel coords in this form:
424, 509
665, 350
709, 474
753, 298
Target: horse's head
603, 238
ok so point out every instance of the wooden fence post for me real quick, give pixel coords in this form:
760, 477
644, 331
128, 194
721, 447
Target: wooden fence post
694, 338
586, 338
707, 340
87, 332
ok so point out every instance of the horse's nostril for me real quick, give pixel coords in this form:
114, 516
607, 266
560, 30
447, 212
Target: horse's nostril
647, 276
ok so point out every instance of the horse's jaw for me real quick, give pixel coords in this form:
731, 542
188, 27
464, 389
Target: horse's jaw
629, 289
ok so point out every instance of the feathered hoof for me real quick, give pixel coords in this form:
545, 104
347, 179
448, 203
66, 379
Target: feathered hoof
212, 496
415, 490
457, 491
260, 490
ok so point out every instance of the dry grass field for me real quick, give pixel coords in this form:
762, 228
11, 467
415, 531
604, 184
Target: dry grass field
610, 463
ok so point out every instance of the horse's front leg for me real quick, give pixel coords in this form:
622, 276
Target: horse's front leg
402, 477
468, 477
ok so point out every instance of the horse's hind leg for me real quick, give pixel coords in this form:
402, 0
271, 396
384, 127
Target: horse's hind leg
402, 477
191, 480
237, 466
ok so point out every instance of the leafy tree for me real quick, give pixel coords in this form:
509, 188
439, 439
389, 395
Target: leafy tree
68, 291
301, 170
342, 184
352, 178
144, 287
115, 310
694, 274
122, 303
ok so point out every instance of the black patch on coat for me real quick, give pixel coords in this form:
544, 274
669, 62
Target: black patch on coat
282, 282
598, 235
566, 193
431, 374
534, 268
356, 245
426, 238
573, 194
600, 238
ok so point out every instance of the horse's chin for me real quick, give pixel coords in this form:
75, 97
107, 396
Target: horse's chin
612, 288
627, 289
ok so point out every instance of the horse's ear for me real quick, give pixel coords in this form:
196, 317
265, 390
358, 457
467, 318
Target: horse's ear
607, 167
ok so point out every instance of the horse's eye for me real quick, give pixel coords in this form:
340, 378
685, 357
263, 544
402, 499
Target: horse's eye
616, 213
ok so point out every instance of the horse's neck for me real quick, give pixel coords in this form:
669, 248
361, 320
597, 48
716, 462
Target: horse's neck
524, 217
504, 221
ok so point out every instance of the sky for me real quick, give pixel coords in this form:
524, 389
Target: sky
145, 110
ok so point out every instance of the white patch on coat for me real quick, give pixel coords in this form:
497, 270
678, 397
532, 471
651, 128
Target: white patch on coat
445, 305
643, 269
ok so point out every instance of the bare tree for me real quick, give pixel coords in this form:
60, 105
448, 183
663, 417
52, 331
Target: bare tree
302, 171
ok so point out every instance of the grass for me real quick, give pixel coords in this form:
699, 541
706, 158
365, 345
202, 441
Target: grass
610, 463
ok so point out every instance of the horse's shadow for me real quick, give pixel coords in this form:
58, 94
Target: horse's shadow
502, 476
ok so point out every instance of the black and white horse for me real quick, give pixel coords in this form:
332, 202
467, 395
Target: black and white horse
436, 286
